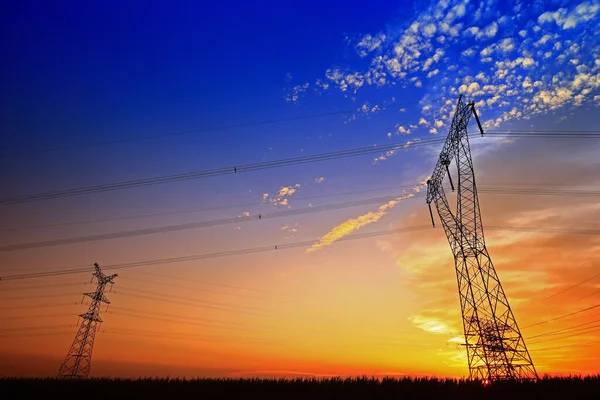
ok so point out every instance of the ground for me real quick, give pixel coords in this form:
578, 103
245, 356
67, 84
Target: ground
336, 388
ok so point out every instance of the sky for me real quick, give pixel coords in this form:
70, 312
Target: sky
101, 93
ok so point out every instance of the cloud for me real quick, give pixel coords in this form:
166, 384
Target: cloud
469, 89
290, 230
429, 30
296, 92
320, 180
522, 72
431, 325
488, 32
282, 196
570, 19
468, 52
367, 109
354, 224
433, 73
506, 45
472, 30
369, 44
402, 130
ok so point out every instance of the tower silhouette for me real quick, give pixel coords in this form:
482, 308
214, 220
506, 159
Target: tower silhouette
78, 362
495, 347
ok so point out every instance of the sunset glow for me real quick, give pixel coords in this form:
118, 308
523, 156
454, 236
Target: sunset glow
265, 262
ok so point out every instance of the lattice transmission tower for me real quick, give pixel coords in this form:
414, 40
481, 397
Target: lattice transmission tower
495, 347
78, 362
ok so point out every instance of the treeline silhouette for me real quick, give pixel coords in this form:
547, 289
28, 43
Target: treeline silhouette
302, 388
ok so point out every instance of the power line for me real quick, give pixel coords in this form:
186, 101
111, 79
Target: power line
231, 324
35, 287
245, 326
188, 303
203, 338
34, 328
563, 330
223, 127
173, 320
539, 192
563, 316
571, 287
584, 297
41, 296
587, 331
484, 189
545, 230
570, 345
545, 135
186, 318
45, 333
257, 166
219, 171
550, 132
204, 290
238, 219
77, 270
183, 335
159, 296
193, 210
180, 335
45, 305
202, 282
210, 255
199, 224
260, 166
38, 316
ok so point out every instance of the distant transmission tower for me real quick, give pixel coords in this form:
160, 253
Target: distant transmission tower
78, 362
495, 347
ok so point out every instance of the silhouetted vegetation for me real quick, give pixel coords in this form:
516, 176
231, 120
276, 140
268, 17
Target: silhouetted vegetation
334, 388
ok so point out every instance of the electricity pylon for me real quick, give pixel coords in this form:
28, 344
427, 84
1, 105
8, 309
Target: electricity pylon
495, 347
78, 362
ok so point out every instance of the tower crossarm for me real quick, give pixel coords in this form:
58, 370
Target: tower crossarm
98, 296
449, 152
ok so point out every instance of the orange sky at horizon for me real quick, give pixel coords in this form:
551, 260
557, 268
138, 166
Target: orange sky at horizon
376, 306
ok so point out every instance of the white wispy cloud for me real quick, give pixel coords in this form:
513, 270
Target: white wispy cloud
488, 31
297, 92
369, 43
568, 19
431, 324
516, 60
354, 224
281, 197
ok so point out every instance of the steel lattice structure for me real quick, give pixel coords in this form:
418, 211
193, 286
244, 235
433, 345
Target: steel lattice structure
495, 347
78, 362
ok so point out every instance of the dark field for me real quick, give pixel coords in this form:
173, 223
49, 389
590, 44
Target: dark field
336, 388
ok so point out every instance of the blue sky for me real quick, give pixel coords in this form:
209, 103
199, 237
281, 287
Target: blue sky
83, 74
76, 74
